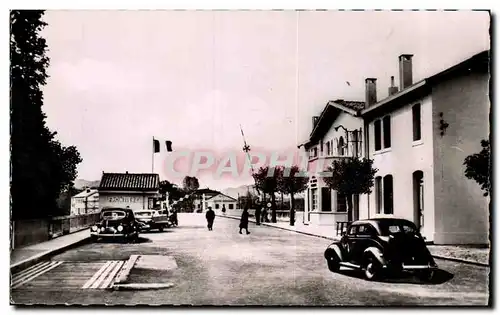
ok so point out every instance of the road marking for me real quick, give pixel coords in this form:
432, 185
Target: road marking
96, 275
106, 276
112, 275
40, 269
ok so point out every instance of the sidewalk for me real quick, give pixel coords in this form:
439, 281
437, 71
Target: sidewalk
23, 257
467, 254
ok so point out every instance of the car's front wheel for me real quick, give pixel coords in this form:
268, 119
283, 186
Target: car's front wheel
333, 264
372, 269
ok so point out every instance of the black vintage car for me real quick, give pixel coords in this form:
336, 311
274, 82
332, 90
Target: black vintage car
380, 247
116, 223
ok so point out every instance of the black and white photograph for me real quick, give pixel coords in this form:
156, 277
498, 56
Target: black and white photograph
251, 157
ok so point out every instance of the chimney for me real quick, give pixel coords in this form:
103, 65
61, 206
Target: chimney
371, 92
405, 71
315, 120
392, 89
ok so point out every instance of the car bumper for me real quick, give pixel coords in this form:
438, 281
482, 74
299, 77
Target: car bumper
419, 267
111, 235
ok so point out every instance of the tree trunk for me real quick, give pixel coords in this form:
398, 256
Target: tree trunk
292, 210
273, 207
349, 207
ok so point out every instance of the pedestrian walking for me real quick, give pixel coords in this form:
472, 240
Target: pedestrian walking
244, 220
257, 214
210, 215
224, 209
173, 218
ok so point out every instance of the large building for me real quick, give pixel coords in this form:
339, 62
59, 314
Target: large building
219, 201
418, 137
85, 202
135, 191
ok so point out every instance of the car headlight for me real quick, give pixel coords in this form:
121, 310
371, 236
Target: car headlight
94, 228
120, 228
102, 229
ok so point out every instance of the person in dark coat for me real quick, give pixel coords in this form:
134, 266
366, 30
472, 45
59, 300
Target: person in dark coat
173, 217
257, 215
244, 220
210, 215
224, 209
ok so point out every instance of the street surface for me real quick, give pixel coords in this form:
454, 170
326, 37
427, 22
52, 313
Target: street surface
221, 267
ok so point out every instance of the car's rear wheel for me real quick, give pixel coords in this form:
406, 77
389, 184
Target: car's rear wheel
372, 269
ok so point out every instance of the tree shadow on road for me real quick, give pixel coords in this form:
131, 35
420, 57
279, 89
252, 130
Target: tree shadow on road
440, 277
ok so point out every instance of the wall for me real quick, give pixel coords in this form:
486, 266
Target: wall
132, 200
405, 157
461, 210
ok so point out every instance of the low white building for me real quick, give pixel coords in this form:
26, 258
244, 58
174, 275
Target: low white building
85, 202
128, 190
220, 201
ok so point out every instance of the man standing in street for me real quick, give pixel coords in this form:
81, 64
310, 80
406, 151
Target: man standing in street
210, 215
244, 220
257, 214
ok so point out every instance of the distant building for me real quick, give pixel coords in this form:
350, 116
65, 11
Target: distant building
200, 199
85, 202
220, 200
135, 191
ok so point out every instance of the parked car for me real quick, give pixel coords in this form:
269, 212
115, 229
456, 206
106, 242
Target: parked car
116, 223
153, 219
380, 247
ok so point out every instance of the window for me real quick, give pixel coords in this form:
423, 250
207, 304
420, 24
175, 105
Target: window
378, 194
352, 230
341, 203
387, 131
328, 148
314, 199
340, 147
417, 129
231, 206
365, 230
388, 195
378, 135
216, 206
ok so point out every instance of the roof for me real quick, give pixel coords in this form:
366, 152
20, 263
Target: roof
206, 191
130, 182
330, 113
221, 194
479, 61
85, 193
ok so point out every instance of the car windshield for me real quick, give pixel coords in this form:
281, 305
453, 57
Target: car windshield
393, 227
113, 214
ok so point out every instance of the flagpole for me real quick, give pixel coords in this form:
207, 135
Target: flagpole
153, 157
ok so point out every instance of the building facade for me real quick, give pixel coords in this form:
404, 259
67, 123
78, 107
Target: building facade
128, 190
336, 135
219, 201
418, 137
85, 202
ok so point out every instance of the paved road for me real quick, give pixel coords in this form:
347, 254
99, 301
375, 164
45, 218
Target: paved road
267, 267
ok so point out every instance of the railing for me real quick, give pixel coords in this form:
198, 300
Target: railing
28, 232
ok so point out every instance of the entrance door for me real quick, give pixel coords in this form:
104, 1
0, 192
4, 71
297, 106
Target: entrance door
326, 199
418, 199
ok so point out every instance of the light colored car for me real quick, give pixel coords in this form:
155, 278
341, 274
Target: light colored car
152, 219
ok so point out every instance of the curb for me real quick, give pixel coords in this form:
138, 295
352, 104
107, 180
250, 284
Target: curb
464, 261
28, 262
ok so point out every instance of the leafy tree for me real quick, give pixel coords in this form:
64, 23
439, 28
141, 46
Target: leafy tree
477, 167
268, 183
350, 177
190, 184
40, 166
289, 182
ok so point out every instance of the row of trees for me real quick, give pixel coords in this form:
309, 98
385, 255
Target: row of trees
41, 166
189, 185
347, 176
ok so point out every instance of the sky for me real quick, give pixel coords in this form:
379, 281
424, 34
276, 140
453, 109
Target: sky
120, 78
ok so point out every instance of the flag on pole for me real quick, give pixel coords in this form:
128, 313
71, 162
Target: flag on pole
169, 145
156, 146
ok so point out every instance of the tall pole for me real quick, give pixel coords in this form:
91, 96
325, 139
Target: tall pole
246, 149
153, 157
